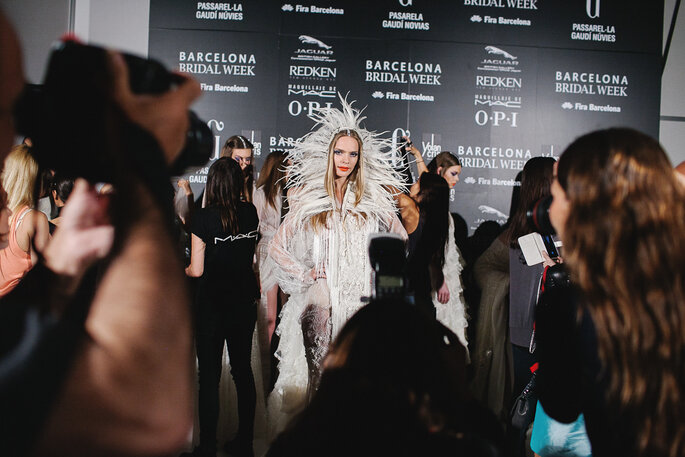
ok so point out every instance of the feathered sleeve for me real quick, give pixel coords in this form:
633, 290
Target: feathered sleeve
292, 274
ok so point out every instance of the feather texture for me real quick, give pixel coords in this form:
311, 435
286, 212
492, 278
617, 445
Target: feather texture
309, 160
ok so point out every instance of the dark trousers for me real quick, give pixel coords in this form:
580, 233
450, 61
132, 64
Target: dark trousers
234, 323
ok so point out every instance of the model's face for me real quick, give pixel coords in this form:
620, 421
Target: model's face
242, 156
559, 209
345, 156
451, 175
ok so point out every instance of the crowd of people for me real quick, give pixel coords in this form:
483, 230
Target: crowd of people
106, 344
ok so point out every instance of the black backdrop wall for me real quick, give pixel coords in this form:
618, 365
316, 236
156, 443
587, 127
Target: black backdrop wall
493, 81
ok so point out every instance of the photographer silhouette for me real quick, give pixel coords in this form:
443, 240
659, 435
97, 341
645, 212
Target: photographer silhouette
103, 370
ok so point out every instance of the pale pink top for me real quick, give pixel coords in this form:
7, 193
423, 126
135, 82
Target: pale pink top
14, 262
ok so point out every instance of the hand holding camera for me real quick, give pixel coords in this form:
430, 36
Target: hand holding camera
91, 116
164, 116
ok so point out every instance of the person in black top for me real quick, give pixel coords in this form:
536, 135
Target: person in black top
427, 242
224, 236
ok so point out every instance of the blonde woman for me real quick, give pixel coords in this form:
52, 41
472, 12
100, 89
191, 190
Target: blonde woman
28, 228
339, 181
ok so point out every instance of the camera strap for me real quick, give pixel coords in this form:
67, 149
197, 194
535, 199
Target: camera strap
541, 288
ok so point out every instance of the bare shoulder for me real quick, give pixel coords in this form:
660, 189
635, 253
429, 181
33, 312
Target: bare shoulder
33, 220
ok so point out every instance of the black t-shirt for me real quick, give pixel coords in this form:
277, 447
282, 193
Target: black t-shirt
228, 270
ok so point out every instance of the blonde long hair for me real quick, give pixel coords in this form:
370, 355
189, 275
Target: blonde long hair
19, 178
625, 248
357, 175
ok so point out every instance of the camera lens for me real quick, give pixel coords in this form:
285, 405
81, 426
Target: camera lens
198, 147
538, 216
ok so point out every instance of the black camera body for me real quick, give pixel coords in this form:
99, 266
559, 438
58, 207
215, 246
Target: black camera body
538, 216
388, 260
78, 131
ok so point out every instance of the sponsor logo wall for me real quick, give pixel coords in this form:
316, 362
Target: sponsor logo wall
238, 76
495, 82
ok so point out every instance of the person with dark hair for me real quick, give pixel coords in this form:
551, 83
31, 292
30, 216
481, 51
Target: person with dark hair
525, 280
224, 235
612, 346
444, 164
448, 299
241, 150
394, 384
45, 203
426, 246
60, 189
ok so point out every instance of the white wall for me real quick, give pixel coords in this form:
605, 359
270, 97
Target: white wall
672, 126
121, 24
38, 23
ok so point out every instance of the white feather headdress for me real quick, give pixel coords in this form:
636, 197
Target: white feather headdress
309, 158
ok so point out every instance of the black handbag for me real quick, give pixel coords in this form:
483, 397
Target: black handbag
523, 411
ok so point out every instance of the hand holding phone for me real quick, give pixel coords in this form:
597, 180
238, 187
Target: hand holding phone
533, 245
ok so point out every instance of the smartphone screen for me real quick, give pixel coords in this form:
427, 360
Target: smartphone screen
549, 245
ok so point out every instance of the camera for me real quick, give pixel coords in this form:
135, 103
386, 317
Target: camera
78, 131
538, 216
388, 261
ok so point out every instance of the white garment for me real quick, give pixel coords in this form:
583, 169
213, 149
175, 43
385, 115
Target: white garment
269, 221
453, 313
339, 251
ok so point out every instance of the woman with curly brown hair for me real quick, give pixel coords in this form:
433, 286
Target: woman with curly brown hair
617, 352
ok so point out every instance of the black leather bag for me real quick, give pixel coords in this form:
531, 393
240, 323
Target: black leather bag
523, 411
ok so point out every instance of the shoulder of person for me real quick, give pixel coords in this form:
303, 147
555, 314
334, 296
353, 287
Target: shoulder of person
199, 220
249, 210
32, 219
37, 216
405, 201
247, 206
203, 213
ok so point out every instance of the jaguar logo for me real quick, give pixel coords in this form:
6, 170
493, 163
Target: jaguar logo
498, 51
311, 40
